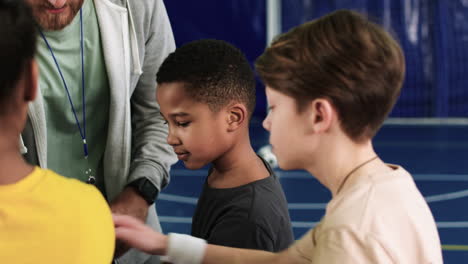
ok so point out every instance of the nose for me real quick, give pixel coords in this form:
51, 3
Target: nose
172, 139
267, 123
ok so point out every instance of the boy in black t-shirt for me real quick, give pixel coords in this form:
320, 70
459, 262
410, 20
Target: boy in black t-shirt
206, 92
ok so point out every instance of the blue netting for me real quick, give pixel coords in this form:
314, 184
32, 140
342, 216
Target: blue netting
433, 34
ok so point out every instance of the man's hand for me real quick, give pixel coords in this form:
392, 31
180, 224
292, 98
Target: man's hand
136, 234
129, 202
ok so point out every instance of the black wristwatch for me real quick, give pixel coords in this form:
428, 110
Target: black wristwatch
146, 189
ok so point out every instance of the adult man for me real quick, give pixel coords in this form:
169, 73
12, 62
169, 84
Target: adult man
95, 118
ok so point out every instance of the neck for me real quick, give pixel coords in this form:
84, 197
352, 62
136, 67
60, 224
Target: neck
344, 160
14, 168
238, 166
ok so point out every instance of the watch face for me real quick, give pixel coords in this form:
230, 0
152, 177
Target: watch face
148, 190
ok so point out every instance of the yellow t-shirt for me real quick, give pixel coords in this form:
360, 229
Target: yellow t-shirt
47, 218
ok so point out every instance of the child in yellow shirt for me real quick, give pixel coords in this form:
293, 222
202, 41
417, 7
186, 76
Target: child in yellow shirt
44, 217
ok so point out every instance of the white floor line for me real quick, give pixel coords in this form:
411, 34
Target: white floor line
314, 206
305, 224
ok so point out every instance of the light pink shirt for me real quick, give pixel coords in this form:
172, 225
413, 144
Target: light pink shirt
377, 218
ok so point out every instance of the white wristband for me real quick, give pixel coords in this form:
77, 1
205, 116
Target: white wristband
185, 249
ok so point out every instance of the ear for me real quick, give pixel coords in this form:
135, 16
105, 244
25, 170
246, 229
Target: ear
321, 115
236, 116
31, 81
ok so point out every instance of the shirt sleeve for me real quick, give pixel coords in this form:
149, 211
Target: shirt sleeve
97, 234
151, 155
304, 247
345, 245
340, 246
241, 233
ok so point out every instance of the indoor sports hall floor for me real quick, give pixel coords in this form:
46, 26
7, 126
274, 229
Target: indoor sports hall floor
436, 155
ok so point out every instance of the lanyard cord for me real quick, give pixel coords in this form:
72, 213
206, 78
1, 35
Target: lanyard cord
82, 131
353, 171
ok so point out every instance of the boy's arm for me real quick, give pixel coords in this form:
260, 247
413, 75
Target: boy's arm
140, 236
220, 254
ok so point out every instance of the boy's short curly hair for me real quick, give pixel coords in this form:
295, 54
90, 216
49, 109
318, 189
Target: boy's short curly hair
213, 72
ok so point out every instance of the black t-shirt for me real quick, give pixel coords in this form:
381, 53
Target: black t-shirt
253, 216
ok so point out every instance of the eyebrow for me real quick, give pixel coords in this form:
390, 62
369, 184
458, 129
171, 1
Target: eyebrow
179, 114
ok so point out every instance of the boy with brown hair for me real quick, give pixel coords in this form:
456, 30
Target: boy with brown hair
330, 85
206, 91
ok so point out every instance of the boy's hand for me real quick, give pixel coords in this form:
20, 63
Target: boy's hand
137, 235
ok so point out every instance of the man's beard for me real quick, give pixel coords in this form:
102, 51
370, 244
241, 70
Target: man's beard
49, 21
